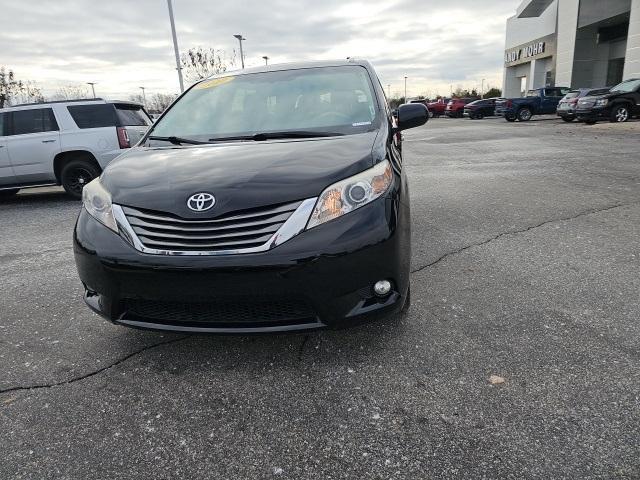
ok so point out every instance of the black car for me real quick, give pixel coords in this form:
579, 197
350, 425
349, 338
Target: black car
619, 105
480, 108
264, 200
567, 106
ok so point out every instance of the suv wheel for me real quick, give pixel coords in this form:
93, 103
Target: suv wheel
510, 118
479, 116
76, 174
524, 114
620, 114
567, 119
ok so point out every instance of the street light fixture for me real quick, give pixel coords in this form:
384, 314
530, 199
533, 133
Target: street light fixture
175, 46
144, 97
93, 88
240, 39
266, 60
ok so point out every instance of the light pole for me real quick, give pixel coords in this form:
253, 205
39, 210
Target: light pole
175, 46
482, 89
240, 39
93, 88
266, 60
389, 90
405, 89
144, 97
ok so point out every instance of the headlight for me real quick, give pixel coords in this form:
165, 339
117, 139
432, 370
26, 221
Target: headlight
601, 102
352, 193
97, 201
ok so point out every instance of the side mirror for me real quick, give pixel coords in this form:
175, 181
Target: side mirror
412, 115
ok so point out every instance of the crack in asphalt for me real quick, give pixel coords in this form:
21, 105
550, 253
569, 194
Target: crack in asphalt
515, 232
95, 372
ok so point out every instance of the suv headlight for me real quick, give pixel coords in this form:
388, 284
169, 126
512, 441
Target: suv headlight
97, 202
352, 193
601, 102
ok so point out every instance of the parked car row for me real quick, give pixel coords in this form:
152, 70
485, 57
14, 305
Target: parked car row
65, 143
616, 104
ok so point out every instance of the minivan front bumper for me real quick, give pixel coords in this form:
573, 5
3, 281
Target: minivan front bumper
321, 278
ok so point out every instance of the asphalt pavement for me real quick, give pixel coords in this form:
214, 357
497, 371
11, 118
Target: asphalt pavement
519, 357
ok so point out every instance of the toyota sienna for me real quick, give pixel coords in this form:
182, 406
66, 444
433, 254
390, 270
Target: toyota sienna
264, 200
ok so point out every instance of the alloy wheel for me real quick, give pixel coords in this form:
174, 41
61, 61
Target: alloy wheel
622, 114
77, 179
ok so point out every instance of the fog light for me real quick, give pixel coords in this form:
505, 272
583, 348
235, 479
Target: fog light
382, 288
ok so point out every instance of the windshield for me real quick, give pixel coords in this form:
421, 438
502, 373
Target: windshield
532, 93
626, 87
336, 100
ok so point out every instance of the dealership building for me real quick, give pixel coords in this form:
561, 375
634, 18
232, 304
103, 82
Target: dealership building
573, 43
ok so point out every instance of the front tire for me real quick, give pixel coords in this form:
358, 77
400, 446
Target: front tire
620, 114
76, 174
510, 118
525, 114
479, 116
9, 193
567, 119
407, 300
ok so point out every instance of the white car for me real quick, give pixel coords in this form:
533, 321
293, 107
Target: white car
65, 143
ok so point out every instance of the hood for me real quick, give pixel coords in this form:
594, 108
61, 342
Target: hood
241, 175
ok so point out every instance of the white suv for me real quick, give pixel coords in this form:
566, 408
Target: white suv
65, 143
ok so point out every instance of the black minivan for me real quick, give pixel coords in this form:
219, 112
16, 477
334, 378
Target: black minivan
269, 199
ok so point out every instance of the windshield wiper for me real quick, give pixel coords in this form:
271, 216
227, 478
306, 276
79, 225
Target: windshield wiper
259, 137
176, 140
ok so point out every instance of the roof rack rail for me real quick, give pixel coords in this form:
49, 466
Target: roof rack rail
55, 101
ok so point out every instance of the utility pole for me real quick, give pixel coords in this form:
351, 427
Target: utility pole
93, 88
389, 90
240, 39
405, 89
482, 90
144, 97
266, 60
175, 46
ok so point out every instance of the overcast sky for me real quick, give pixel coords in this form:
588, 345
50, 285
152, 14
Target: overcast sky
122, 45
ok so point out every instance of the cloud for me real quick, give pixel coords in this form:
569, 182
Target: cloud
122, 45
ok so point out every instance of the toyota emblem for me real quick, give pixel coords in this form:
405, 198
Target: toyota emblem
200, 202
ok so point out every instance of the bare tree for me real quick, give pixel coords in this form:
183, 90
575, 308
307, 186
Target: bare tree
71, 92
159, 102
14, 91
136, 97
201, 62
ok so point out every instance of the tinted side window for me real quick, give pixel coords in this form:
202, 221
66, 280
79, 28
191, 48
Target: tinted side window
33, 121
3, 122
93, 116
132, 116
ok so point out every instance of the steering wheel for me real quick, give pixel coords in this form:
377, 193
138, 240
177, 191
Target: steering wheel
338, 115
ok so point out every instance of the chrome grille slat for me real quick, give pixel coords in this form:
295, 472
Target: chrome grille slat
159, 216
136, 222
211, 245
252, 233
240, 230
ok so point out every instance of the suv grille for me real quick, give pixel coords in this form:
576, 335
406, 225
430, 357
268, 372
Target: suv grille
224, 313
233, 231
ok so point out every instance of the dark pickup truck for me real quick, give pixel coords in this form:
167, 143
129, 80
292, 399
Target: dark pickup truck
541, 101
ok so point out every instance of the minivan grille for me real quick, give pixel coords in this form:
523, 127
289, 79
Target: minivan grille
228, 313
233, 231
